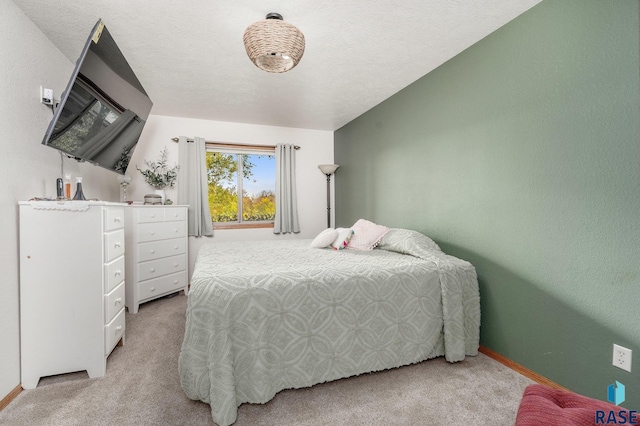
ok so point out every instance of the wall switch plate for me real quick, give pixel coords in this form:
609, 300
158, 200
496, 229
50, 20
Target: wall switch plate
46, 96
622, 357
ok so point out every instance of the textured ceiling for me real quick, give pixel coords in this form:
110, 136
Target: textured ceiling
191, 61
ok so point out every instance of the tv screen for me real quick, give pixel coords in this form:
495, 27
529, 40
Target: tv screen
104, 108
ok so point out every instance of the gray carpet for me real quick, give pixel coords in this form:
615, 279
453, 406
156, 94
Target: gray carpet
142, 387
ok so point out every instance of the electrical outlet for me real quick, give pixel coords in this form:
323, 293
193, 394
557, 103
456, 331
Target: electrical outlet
622, 357
46, 96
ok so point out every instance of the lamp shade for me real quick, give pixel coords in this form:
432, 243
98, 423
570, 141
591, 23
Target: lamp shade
274, 45
328, 169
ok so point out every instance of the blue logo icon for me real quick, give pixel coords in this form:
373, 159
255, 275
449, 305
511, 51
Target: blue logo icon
615, 393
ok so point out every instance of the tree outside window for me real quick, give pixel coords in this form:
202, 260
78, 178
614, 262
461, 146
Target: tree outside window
251, 175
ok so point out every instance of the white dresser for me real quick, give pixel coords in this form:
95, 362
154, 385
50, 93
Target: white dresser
72, 287
156, 241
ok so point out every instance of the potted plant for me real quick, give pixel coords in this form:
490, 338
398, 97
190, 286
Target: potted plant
159, 175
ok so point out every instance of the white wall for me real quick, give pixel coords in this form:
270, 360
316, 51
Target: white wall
29, 169
316, 147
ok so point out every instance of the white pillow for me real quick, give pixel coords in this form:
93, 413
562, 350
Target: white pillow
409, 242
325, 238
366, 235
343, 238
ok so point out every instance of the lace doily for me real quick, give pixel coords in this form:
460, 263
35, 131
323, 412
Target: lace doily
75, 206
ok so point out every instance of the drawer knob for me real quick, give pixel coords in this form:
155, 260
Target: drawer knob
175, 247
116, 219
152, 251
118, 300
152, 289
152, 270
175, 265
118, 328
175, 230
117, 244
175, 281
152, 216
152, 232
118, 272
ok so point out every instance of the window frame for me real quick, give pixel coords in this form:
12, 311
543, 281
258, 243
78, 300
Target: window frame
238, 150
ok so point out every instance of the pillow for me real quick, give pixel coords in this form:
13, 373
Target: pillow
325, 238
366, 235
406, 241
542, 405
343, 238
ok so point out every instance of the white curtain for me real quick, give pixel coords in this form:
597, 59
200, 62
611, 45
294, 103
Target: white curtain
286, 220
192, 185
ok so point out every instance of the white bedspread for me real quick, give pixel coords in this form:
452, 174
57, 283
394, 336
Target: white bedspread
267, 316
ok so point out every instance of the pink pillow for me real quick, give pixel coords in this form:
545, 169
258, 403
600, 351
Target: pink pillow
542, 405
366, 235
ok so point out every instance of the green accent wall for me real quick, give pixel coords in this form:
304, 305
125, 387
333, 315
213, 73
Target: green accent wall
522, 155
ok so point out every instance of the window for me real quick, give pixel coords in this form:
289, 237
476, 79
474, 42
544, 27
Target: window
242, 187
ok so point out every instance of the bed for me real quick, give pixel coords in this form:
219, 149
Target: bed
272, 315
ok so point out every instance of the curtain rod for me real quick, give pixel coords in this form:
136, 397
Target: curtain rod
229, 144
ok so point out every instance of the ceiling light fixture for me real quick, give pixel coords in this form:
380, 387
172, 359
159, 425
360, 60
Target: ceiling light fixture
274, 45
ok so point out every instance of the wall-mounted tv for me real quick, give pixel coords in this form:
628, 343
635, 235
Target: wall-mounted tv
104, 108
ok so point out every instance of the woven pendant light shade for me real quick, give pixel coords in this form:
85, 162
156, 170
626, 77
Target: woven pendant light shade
274, 45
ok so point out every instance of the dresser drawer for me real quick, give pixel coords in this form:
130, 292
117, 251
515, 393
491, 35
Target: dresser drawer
114, 332
160, 267
161, 231
175, 214
113, 274
150, 214
114, 244
114, 302
157, 249
113, 218
158, 286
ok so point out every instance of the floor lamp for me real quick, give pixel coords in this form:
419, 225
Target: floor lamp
328, 170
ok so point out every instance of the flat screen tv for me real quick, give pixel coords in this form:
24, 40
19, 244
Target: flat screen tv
103, 109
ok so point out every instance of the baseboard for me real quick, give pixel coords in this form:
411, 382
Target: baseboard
10, 397
520, 368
